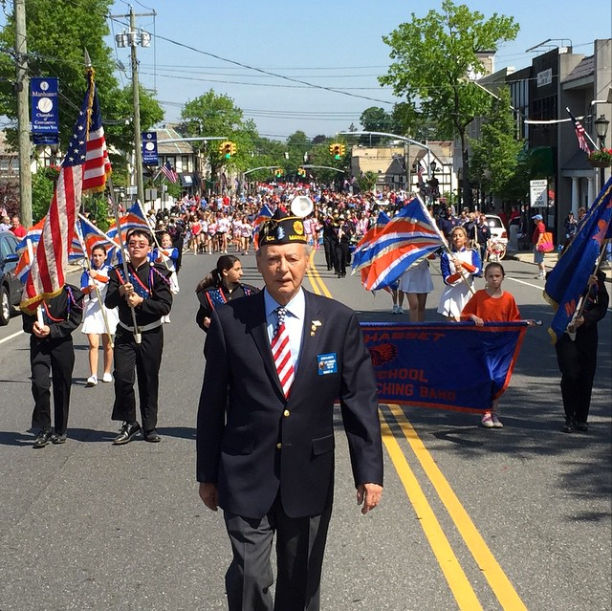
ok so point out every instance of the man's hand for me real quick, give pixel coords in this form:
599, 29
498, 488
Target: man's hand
208, 494
368, 495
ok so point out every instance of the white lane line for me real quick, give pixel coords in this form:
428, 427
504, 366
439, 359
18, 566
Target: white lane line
535, 286
6, 339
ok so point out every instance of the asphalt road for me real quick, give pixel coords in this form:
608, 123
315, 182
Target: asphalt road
471, 518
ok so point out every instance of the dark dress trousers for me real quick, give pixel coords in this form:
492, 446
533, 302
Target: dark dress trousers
55, 354
578, 359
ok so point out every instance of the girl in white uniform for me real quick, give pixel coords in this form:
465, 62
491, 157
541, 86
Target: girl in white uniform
167, 255
93, 318
462, 263
415, 283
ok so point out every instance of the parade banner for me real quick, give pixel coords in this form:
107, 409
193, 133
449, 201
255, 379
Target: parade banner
454, 366
149, 148
44, 107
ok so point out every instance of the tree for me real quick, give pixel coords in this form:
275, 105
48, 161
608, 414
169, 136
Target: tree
407, 121
217, 116
58, 33
375, 119
366, 182
495, 156
432, 57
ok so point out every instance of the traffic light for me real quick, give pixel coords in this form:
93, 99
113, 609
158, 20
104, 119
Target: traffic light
279, 172
301, 172
227, 149
337, 150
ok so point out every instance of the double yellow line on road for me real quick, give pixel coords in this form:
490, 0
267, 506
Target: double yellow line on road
454, 574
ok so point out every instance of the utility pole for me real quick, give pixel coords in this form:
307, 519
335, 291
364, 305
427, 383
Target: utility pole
22, 86
133, 38
136, 99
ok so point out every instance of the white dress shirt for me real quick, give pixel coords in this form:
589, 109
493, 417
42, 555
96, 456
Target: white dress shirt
294, 321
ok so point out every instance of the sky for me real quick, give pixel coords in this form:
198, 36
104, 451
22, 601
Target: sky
332, 43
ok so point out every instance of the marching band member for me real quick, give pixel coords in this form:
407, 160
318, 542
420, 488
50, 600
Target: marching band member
221, 285
97, 323
458, 270
52, 351
147, 291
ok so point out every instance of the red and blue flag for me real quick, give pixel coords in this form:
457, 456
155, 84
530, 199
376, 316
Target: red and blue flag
408, 237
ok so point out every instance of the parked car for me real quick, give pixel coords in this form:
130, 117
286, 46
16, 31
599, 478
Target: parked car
10, 285
498, 242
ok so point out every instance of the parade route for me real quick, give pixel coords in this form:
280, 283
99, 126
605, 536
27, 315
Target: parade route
470, 518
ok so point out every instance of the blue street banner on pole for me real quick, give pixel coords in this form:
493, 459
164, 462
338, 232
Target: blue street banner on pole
44, 105
149, 148
454, 366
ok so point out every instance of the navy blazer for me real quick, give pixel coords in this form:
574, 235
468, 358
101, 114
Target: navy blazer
252, 442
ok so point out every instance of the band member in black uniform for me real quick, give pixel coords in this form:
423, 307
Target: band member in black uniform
343, 255
330, 239
578, 359
147, 290
51, 350
220, 286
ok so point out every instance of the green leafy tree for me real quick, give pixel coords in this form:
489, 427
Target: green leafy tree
216, 115
43, 184
495, 155
367, 181
58, 33
433, 55
375, 119
408, 121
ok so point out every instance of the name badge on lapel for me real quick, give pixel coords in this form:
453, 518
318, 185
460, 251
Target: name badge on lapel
327, 363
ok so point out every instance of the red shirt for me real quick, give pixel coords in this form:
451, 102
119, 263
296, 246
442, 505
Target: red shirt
19, 231
539, 228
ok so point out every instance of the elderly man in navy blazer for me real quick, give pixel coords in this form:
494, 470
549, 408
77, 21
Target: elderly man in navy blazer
276, 363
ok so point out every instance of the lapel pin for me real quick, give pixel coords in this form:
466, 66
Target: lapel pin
314, 325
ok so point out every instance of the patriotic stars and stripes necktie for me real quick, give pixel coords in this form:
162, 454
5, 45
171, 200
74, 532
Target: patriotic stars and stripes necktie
281, 352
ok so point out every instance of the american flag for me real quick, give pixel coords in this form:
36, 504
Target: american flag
84, 159
168, 172
580, 133
420, 180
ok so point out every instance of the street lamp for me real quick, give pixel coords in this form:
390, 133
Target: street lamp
601, 129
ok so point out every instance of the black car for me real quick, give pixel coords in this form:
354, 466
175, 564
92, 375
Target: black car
10, 285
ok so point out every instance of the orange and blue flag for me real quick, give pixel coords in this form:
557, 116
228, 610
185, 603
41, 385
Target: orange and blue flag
133, 219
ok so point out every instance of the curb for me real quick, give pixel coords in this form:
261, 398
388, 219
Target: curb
550, 260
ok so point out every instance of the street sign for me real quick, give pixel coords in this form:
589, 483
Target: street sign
538, 193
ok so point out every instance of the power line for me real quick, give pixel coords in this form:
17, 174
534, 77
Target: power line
273, 74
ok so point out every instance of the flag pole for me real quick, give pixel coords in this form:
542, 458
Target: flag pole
442, 237
100, 232
98, 295
571, 327
124, 254
39, 316
159, 248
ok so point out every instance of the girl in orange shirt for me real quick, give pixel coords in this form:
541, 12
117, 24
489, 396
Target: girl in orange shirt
491, 304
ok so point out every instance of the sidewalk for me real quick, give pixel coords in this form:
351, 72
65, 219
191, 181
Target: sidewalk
550, 260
